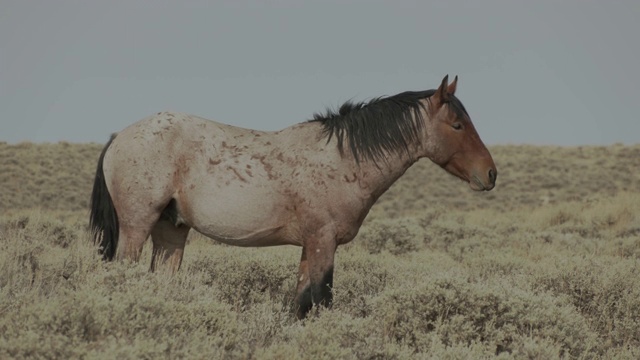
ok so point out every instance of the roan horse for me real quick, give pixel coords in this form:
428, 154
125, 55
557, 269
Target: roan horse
311, 184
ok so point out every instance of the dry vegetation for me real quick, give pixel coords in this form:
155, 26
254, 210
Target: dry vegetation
545, 266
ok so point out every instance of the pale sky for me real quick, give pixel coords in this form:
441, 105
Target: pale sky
536, 72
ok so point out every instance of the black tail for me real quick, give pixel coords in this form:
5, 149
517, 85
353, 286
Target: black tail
104, 220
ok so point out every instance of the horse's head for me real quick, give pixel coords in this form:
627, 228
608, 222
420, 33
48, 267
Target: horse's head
453, 142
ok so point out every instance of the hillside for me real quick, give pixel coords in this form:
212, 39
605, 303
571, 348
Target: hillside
60, 176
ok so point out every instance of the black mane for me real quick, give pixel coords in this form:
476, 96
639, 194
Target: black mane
382, 125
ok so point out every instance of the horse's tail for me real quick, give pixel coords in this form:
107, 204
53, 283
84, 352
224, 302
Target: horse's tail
103, 219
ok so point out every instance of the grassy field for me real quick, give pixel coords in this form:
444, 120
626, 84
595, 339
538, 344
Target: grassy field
545, 266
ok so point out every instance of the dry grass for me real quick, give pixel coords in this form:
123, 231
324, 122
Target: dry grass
545, 266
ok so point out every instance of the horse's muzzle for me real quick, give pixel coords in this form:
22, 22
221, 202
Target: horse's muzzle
477, 183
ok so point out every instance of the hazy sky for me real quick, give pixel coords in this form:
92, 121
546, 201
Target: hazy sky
540, 72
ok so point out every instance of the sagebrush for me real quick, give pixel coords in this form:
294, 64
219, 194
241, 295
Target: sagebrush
545, 266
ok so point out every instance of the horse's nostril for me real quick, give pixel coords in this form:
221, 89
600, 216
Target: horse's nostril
492, 175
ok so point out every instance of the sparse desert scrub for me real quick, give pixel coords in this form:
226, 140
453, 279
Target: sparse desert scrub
545, 266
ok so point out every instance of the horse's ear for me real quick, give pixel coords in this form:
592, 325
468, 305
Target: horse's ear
441, 95
451, 89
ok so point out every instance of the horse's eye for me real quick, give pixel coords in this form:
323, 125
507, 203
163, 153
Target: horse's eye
457, 126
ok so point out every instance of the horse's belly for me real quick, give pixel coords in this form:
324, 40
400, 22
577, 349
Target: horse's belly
244, 237
241, 219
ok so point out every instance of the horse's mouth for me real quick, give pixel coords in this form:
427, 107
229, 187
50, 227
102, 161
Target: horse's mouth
476, 184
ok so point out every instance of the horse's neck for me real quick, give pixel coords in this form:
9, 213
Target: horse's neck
376, 178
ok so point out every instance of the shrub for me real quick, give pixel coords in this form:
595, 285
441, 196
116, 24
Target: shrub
462, 313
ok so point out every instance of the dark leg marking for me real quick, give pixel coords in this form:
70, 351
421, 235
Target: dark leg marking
316, 293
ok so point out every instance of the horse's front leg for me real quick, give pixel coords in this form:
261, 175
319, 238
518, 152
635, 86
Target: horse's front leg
315, 276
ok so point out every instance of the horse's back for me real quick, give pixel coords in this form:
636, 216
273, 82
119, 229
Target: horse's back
167, 137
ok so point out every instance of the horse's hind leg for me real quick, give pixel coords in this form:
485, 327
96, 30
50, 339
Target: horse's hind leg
131, 240
135, 223
168, 245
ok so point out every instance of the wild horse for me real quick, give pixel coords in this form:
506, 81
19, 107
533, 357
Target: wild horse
311, 184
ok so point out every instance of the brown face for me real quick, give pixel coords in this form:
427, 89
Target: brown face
458, 148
